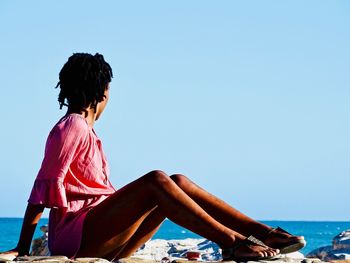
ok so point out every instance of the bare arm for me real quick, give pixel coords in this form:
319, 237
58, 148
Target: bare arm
31, 219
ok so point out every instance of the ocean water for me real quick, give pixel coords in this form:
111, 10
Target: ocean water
317, 234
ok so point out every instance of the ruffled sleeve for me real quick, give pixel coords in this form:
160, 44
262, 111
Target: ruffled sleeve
50, 193
62, 146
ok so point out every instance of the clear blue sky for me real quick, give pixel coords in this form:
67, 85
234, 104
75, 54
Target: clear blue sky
250, 99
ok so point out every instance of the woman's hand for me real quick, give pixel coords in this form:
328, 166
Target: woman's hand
10, 254
31, 218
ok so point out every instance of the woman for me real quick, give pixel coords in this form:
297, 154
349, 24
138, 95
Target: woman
89, 218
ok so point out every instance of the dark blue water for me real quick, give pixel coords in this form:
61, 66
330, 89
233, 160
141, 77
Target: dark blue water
317, 234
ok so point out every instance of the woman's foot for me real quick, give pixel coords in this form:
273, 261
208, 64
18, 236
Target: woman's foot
280, 239
249, 249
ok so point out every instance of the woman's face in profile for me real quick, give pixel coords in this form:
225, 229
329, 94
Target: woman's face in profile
101, 105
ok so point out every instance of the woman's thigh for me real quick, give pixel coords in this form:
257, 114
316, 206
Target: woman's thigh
112, 223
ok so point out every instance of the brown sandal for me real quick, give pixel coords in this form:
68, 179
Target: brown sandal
292, 246
228, 254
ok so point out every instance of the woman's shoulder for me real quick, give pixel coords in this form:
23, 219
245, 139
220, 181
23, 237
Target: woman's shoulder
73, 120
71, 125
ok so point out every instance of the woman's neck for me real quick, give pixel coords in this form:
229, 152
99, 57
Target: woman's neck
89, 115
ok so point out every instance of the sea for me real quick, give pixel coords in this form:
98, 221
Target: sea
317, 234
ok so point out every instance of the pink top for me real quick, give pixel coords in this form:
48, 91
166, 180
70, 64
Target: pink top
73, 178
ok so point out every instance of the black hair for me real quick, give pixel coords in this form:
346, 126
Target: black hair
83, 81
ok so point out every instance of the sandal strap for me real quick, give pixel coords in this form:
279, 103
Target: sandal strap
256, 241
251, 240
276, 229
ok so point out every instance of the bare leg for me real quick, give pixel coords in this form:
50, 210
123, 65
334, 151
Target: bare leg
221, 211
227, 215
113, 223
144, 233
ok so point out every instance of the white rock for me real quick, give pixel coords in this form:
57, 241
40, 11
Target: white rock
342, 241
42, 259
340, 249
7, 257
91, 260
295, 255
158, 249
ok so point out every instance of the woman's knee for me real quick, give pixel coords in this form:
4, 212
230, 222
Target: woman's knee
156, 176
180, 180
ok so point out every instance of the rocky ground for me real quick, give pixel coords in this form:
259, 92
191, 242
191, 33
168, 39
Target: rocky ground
61, 259
179, 251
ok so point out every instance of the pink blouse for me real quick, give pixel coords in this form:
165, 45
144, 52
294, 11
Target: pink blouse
73, 178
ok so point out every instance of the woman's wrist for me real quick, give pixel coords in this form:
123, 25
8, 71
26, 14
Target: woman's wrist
22, 250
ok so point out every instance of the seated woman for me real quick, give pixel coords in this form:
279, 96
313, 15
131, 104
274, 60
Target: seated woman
90, 218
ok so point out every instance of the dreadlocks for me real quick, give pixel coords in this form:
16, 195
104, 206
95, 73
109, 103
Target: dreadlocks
83, 81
